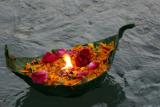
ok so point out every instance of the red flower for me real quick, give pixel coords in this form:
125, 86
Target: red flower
49, 57
83, 58
39, 77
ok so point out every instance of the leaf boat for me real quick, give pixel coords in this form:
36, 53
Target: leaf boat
62, 90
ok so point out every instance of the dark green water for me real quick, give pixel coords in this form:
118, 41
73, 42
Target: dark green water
31, 27
110, 94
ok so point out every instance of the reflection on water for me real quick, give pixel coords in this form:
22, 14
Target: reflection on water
110, 94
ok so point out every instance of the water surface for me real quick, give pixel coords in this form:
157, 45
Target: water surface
31, 27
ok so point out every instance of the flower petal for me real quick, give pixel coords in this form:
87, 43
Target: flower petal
39, 77
49, 57
83, 58
61, 52
93, 65
81, 74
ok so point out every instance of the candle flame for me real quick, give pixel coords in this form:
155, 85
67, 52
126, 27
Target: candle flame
68, 61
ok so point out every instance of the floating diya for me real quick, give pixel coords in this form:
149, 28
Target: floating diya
68, 72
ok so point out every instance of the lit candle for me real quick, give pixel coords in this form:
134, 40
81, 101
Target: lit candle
68, 61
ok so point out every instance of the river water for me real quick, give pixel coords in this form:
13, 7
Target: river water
31, 27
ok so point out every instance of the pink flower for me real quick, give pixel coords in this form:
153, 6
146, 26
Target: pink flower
83, 58
39, 77
61, 52
93, 65
81, 74
49, 57
70, 52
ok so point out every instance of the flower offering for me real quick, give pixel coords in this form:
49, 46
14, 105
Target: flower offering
70, 67
68, 72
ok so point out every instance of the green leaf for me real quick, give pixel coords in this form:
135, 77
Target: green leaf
15, 62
